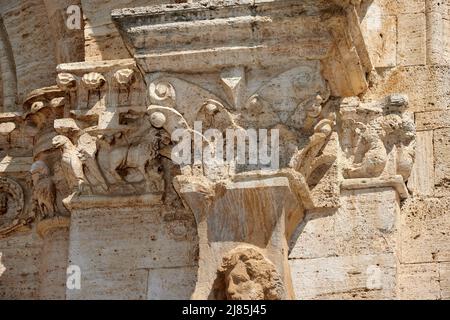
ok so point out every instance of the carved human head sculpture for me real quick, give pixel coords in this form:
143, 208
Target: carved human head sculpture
246, 274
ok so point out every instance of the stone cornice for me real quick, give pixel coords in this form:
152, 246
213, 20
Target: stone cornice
207, 37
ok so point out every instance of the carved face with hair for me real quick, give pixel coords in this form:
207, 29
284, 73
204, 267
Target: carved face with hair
248, 275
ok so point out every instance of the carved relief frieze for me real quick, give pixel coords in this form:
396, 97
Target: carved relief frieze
106, 142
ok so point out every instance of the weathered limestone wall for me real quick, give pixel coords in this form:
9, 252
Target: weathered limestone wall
351, 253
375, 246
410, 43
32, 48
133, 253
20, 258
53, 259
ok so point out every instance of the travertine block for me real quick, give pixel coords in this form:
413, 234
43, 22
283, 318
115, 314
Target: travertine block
53, 265
421, 181
366, 223
380, 32
425, 230
105, 242
411, 49
111, 284
427, 87
161, 283
399, 6
419, 281
20, 258
441, 156
346, 277
432, 120
34, 55
316, 237
337, 255
444, 280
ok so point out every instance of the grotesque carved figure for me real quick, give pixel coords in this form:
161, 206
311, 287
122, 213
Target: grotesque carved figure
3, 203
375, 132
120, 156
246, 274
87, 152
401, 131
71, 164
44, 192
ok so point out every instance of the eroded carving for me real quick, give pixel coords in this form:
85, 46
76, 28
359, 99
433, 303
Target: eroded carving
44, 191
93, 80
245, 274
13, 198
124, 77
71, 164
378, 138
66, 81
129, 159
12, 201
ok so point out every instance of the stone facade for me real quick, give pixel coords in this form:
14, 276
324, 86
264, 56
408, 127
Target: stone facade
353, 97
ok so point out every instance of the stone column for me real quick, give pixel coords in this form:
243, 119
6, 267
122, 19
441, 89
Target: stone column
54, 258
251, 213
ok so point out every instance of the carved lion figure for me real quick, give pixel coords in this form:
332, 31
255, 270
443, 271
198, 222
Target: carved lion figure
245, 274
